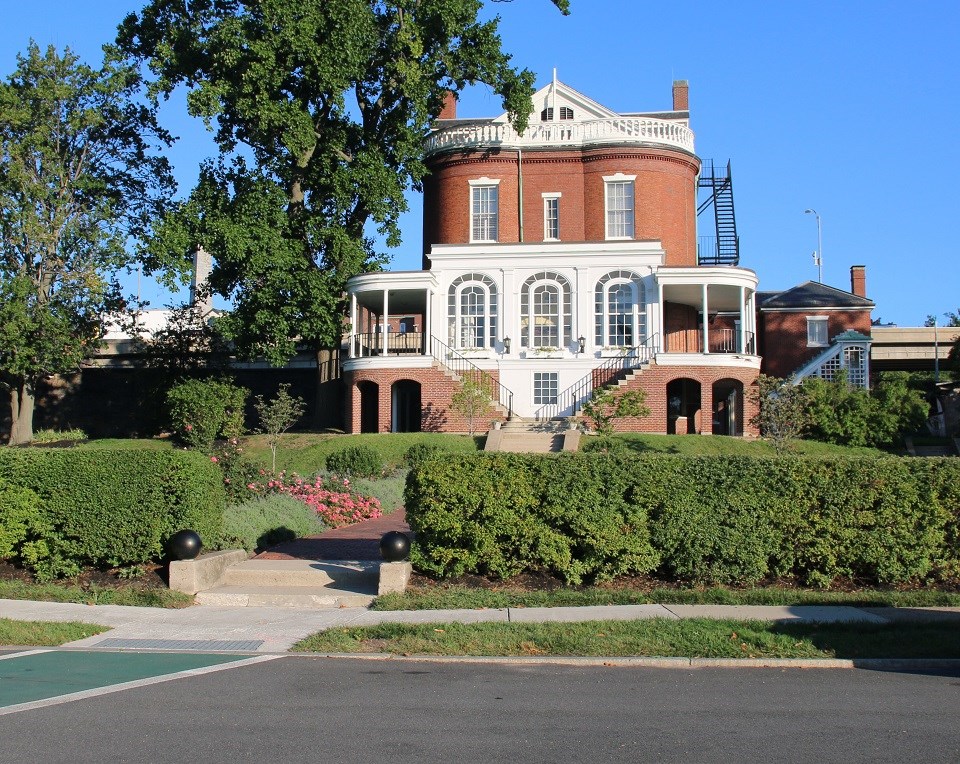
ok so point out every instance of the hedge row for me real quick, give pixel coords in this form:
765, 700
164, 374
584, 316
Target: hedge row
590, 517
106, 507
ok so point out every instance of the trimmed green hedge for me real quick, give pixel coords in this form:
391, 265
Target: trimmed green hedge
699, 519
114, 507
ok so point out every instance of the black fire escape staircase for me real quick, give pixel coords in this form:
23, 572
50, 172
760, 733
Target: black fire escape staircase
718, 186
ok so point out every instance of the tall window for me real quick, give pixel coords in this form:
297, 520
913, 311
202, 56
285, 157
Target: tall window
551, 217
472, 311
619, 206
545, 314
817, 331
619, 309
484, 209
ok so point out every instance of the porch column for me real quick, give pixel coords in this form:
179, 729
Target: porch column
661, 321
353, 325
385, 324
706, 320
743, 321
427, 327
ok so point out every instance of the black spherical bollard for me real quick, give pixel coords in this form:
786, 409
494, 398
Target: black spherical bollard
185, 545
394, 546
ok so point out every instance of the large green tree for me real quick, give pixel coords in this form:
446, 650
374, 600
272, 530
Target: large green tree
78, 182
320, 109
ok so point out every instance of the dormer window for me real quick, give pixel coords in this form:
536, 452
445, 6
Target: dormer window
547, 114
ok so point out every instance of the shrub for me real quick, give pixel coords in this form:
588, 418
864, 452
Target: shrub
698, 519
20, 518
331, 498
57, 436
266, 521
355, 461
420, 452
113, 507
604, 444
202, 410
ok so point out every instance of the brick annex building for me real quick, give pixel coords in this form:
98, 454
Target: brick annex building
558, 260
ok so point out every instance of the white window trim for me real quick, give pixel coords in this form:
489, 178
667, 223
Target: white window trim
458, 317
483, 183
822, 320
618, 178
551, 195
635, 313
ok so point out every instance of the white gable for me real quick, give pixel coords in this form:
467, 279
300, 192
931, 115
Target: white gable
556, 96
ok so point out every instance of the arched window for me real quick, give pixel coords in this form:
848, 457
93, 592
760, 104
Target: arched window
545, 314
620, 310
472, 311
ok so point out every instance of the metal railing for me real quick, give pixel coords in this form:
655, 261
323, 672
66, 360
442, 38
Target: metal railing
610, 371
465, 369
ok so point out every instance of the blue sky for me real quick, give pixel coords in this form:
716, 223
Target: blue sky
848, 107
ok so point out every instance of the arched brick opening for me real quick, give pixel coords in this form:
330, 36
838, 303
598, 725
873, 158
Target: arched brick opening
406, 408
369, 406
728, 407
683, 406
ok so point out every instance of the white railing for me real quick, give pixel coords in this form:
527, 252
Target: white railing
638, 130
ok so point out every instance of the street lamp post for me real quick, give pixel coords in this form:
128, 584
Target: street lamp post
819, 246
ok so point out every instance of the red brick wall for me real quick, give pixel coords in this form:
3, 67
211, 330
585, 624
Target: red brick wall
655, 378
436, 391
783, 336
665, 196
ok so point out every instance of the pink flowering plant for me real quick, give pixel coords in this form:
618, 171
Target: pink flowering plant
335, 503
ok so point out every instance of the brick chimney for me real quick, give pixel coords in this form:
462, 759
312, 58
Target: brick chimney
449, 110
858, 280
200, 294
681, 95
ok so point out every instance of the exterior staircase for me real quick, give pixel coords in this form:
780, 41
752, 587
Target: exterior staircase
530, 436
295, 583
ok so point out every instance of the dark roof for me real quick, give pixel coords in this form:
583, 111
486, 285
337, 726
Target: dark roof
812, 295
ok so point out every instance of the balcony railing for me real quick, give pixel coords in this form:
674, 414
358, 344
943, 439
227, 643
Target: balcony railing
721, 341
401, 343
640, 130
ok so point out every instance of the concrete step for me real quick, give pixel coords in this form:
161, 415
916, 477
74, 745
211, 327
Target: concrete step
531, 443
317, 574
286, 596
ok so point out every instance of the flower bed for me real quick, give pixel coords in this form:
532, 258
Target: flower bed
333, 500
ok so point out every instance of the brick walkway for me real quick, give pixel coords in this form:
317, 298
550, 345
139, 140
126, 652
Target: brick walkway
352, 542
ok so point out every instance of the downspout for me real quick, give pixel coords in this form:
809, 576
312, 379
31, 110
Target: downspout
520, 192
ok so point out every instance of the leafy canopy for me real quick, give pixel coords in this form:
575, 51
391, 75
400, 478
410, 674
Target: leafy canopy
320, 109
79, 179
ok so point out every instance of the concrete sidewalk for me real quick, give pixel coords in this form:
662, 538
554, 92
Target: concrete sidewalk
272, 630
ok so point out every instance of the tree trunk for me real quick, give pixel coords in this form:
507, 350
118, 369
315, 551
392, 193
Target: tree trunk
21, 414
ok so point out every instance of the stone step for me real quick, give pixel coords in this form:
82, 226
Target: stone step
531, 443
287, 596
315, 574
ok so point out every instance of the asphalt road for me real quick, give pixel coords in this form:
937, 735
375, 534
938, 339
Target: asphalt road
296, 709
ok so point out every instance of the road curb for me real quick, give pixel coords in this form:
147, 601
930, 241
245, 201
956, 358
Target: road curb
876, 664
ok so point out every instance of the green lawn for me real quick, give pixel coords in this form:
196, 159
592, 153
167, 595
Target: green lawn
67, 591
719, 445
45, 633
450, 596
659, 637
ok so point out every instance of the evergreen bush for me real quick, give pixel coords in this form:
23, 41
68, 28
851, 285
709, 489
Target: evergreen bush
736, 520
355, 461
202, 410
113, 507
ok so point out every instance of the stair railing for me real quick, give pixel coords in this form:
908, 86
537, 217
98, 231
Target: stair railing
608, 372
449, 358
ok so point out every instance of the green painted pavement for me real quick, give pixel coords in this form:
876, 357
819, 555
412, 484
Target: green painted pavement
39, 676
